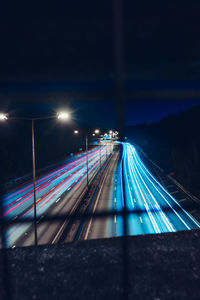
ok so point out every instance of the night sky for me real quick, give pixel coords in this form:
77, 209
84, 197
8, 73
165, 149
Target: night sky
60, 52
60, 55
101, 114
67, 40
145, 111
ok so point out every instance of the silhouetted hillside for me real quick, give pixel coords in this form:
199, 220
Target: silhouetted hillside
174, 143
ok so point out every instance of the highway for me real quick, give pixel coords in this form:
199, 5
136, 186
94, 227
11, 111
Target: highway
68, 180
125, 181
129, 183
157, 210
105, 200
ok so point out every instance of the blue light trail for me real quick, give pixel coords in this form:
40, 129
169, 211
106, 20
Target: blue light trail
160, 212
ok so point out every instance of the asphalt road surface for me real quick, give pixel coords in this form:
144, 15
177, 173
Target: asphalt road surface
125, 181
105, 200
160, 212
57, 191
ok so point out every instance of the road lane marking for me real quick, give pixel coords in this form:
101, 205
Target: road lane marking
97, 200
182, 200
115, 219
59, 231
19, 199
140, 219
175, 192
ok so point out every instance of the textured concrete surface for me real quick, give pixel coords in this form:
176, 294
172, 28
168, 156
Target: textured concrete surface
165, 266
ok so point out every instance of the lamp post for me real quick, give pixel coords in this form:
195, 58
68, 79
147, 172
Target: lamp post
100, 157
34, 185
86, 149
97, 132
63, 116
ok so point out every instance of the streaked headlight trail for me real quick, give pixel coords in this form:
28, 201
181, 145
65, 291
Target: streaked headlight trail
49, 188
160, 212
156, 210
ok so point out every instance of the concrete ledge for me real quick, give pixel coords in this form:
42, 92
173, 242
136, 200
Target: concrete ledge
165, 266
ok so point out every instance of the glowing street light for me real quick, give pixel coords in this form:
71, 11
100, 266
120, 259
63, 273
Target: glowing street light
97, 131
3, 117
63, 116
87, 163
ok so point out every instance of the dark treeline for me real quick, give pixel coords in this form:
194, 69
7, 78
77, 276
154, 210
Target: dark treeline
54, 142
174, 143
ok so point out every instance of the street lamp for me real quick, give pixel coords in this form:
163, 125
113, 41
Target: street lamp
61, 116
86, 149
3, 117
97, 131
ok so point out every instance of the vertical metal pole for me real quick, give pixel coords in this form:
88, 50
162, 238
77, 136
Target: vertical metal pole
119, 62
5, 270
100, 157
34, 186
120, 82
86, 147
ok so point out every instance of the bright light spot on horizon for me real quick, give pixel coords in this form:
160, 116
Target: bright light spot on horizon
97, 131
76, 131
